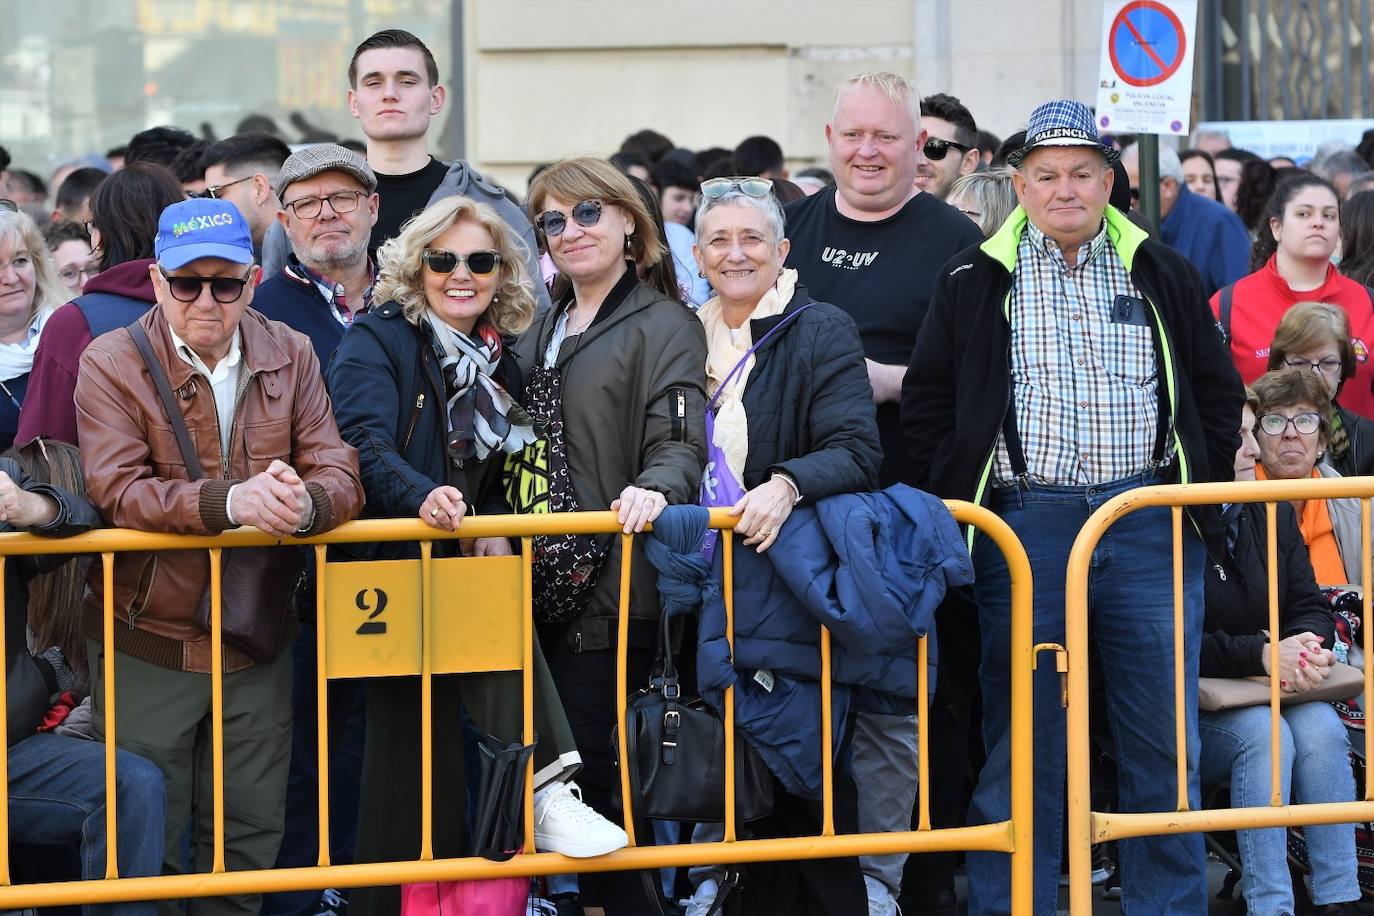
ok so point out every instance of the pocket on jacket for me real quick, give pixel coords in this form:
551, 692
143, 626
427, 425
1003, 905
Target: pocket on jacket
165, 454
267, 442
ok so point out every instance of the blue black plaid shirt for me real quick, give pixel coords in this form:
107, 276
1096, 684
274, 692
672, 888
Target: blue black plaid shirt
1085, 387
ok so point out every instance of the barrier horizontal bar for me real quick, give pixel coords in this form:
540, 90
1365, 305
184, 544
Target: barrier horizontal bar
982, 838
1205, 494
361, 531
1119, 826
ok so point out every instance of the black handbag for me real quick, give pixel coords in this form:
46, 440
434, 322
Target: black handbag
676, 748
257, 584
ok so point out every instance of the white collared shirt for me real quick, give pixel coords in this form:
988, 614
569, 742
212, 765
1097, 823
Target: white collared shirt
223, 379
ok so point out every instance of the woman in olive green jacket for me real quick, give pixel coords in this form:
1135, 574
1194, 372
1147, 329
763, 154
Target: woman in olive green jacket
615, 373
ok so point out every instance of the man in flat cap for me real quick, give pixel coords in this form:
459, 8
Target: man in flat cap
1065, 360
329, 205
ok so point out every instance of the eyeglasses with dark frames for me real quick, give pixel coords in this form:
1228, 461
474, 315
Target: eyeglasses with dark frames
223, 290
586, 213
443, 261
1330, 366
340, 202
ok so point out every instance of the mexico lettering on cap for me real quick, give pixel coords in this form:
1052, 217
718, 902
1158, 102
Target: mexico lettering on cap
202, 228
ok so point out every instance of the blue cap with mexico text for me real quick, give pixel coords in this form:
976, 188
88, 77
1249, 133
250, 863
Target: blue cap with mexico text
202, 228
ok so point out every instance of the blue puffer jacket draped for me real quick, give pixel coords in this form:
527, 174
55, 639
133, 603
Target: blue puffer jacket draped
872, 567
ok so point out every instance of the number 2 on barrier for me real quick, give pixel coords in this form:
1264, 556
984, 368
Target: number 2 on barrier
372, 626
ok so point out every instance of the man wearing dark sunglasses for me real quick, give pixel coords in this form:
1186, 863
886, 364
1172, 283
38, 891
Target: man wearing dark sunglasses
242, 408
951, 147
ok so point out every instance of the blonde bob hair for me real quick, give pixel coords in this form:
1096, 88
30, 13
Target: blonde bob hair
400, 267
587, 178
18, 230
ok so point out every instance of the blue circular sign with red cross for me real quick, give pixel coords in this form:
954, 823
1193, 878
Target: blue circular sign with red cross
1146, 43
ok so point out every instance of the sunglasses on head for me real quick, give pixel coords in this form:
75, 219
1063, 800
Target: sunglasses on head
714, 188
585, 212
936, 149
442, 261
223, 290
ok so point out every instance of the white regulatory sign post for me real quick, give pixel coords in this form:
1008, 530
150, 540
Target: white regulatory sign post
1146, 81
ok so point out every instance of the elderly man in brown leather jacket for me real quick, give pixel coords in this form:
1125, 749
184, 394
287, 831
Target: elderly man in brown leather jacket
252, 399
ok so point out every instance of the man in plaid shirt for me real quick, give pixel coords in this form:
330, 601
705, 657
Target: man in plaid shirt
1064, 361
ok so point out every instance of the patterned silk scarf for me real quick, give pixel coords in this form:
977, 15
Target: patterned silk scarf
482, 417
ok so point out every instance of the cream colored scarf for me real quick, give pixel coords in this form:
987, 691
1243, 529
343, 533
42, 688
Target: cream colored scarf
722, 355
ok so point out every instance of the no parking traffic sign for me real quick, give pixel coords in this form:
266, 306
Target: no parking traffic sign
1147, 66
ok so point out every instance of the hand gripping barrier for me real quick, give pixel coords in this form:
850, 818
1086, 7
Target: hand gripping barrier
1086, 826
395, 617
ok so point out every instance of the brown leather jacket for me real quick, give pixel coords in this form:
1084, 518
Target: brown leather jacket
136, 477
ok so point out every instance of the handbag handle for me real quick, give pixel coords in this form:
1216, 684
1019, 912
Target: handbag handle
750, 352
164, 392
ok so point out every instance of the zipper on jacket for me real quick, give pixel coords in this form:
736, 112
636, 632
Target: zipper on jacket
414, 418
577, 642
1220, 572
679, 422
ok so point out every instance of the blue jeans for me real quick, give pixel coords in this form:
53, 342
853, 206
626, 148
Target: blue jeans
1313, 767
1130, 599
57, 796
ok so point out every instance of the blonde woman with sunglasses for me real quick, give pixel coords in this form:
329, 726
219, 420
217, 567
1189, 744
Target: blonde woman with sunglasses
425, 387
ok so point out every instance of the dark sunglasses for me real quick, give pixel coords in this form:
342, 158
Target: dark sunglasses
442, 261
936, 149
212, 192
585, 212
224, 290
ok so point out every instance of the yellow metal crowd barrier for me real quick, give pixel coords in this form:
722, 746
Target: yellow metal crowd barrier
1085, 826
406, 617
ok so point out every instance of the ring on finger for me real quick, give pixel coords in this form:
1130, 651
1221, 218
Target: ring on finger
434, 513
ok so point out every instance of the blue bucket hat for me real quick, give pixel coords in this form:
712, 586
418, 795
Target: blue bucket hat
1062, 122
202, 228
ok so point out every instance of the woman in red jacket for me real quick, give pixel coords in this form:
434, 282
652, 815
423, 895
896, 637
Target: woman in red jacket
1292, 260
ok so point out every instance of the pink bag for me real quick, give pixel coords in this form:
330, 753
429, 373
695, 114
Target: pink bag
489, 897
719, 488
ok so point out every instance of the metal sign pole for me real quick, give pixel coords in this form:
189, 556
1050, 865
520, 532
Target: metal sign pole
1149, 179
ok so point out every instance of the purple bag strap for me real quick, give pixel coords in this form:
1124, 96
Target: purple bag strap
750, 352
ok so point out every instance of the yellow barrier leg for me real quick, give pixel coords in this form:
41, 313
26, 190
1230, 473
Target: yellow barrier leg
322, 703
217, 704
1079, 801
726, 541
111, 829
827, 752
426, 705
923, 733
527, 725
622, 682
1272, 558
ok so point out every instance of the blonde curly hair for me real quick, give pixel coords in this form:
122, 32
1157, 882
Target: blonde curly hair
399, 265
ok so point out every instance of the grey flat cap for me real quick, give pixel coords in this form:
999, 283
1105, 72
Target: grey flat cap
324, 157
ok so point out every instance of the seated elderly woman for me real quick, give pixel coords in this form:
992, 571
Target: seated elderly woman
1294, 430
1316, 336
790, 418
1236, 742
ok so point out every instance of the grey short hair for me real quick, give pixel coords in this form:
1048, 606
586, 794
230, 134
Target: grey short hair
767, 205
991, 193
1338, 162
1170, 166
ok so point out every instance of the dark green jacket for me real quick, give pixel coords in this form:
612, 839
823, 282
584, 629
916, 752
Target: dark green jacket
634, 402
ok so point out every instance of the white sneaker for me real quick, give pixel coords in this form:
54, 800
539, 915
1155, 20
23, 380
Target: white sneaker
563, 823
538, 906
